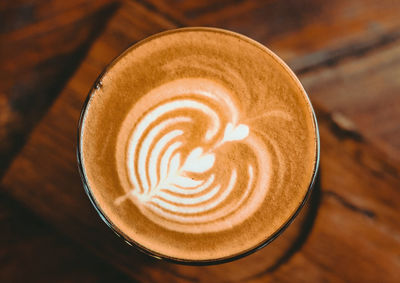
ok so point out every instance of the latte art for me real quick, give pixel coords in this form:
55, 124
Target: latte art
198, 144
180, 162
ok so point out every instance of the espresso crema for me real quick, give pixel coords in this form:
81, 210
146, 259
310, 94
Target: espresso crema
198, 144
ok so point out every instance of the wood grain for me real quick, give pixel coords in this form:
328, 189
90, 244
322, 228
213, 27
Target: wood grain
41, 45
31, 251
357, 222
363, 95
305, 33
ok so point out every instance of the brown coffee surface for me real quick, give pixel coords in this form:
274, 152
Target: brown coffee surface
199, 144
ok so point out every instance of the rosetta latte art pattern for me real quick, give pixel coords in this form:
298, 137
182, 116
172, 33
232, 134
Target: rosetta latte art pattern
189, 161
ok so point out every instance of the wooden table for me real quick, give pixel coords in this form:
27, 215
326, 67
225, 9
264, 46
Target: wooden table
347, 55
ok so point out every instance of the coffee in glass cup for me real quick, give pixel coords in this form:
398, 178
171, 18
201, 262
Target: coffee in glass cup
198, 145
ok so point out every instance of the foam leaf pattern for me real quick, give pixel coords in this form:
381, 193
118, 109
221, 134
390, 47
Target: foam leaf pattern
198, 162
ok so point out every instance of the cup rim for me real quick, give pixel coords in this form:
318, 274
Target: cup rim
140, 247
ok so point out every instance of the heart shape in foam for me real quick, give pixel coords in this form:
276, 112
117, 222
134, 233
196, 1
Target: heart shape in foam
237, 133
198, 162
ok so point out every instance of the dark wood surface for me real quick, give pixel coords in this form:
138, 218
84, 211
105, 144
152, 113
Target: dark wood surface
30, 251
364, 94
41, 45
347, 56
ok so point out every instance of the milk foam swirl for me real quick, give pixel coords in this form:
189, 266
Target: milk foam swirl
189, 162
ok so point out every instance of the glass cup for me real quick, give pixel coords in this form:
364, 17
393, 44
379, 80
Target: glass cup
145, 250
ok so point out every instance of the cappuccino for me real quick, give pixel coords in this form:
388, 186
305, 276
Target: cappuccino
198, 144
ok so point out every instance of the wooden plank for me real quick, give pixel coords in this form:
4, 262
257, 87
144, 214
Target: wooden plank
41, 45
364, 96
356, 223
305, 33
30, 251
